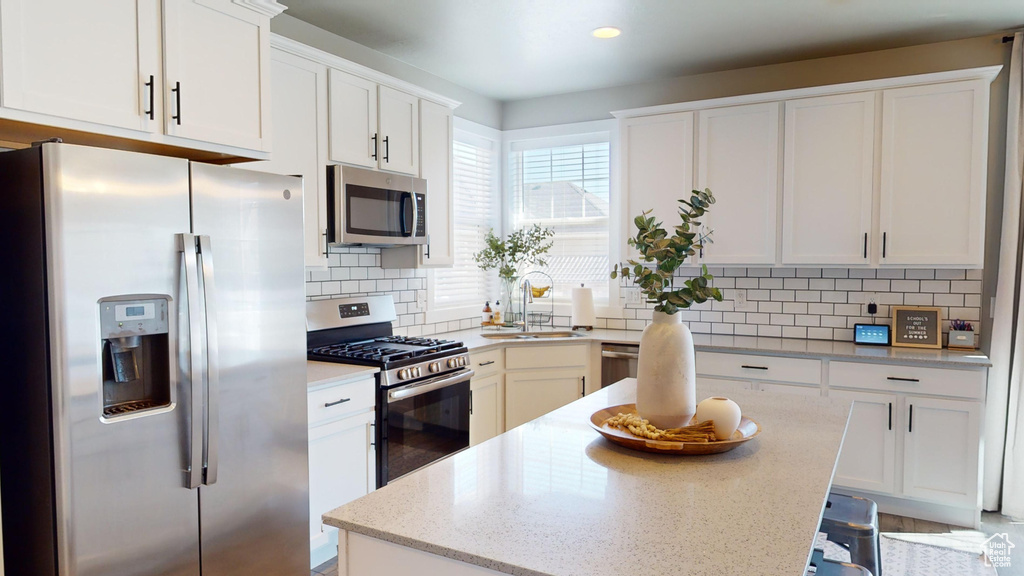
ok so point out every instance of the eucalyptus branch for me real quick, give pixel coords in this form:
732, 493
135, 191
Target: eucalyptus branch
661, 255
523, 248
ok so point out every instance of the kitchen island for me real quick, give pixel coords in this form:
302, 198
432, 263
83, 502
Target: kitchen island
552, 497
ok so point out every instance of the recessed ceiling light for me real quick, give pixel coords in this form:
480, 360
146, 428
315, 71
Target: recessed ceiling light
606, 32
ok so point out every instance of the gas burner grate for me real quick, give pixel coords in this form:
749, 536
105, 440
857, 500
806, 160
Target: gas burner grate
129, 407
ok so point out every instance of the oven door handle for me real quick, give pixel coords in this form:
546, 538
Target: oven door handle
429, 385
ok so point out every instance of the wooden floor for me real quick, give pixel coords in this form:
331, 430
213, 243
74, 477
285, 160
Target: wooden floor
991, 523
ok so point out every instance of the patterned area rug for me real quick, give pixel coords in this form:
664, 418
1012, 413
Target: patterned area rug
908, 556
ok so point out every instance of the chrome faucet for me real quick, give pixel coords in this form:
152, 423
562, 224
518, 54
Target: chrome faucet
527, 298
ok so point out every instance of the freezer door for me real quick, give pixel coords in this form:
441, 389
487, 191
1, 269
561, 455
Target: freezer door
122, 504
254, 503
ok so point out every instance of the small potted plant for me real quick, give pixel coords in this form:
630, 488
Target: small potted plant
665, 382
512, 255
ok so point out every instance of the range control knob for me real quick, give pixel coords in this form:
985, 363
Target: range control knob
462, 360
418, 372
435, 367
453, 362
403, 374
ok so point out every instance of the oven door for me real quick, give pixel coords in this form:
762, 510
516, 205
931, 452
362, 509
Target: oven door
424, 422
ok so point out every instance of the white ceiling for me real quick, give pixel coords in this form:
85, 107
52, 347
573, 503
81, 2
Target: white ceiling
512, 49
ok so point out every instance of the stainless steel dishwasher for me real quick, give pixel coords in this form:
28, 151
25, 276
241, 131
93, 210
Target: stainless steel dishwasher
618, 361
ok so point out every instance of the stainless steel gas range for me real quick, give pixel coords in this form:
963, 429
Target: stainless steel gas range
423, 395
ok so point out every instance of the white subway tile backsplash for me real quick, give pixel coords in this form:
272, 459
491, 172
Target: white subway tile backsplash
794, 307
817, 303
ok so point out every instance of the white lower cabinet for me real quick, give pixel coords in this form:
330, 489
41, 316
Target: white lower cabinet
940, 449
342, 457
868, 458
914, 437
486, 408
530, 394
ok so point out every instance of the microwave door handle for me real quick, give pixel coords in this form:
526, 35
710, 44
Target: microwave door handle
415, 214
212, 363
187, 248
403, 211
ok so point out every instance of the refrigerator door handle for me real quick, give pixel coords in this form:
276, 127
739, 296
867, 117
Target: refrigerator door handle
212, 362
187, 247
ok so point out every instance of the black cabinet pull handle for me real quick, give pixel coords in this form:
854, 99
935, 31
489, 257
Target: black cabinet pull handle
910, 428
890, 415
152, 104
336, 402
903, 379
386, 149
428, 251
373, 434
374, 145
883, 244
488, 363
177, 103
326, 243
583, 386
470, 402
865, 244
754, 367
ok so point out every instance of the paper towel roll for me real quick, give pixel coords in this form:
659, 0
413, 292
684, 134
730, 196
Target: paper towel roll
583, 307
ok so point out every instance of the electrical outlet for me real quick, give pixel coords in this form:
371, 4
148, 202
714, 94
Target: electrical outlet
421, 301
633, 296
739, 300
871, 303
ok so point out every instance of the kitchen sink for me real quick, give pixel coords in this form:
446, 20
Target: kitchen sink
531, 335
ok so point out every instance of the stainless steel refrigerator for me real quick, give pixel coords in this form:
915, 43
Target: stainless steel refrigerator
153, 377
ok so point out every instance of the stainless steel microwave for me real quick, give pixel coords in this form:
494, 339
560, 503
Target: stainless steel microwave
375, 208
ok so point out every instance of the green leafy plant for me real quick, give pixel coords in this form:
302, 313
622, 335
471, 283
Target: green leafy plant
661, 255
524, 247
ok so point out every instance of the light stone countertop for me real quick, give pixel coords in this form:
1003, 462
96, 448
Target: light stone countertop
320, 373
476, 342
554, 498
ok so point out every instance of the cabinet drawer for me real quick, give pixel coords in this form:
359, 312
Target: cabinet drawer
746, 366
341, 400
485, 363
520, 356
913, 379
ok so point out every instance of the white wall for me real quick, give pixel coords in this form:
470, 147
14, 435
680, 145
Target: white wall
475, 107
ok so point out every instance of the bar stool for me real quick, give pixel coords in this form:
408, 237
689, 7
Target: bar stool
825, 567
852, 522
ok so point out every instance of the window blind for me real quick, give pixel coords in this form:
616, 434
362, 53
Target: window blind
566, 188
477, 210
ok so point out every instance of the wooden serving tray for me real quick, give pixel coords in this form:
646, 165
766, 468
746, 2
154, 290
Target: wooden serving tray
746, 430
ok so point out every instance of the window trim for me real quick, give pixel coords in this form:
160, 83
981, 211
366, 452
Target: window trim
559, 135
474, 134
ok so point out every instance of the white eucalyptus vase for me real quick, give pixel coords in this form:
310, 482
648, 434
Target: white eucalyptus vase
666, 376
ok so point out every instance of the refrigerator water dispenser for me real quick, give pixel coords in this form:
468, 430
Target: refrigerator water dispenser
136, 354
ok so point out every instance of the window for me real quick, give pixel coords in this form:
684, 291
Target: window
565, 187
477, 209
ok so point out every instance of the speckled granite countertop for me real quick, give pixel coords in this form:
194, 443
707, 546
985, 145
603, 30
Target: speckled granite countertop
320, 373
475, 340
552, 497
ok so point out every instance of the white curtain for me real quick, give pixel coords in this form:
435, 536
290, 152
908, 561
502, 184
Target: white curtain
1004, 416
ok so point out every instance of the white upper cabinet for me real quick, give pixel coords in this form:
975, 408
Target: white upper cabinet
299, 98
828, 180
933, 173
353, 120
373, 125
92, 61
399, 131
738, 159
657, 166
435, 163
217, 55
193, 77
